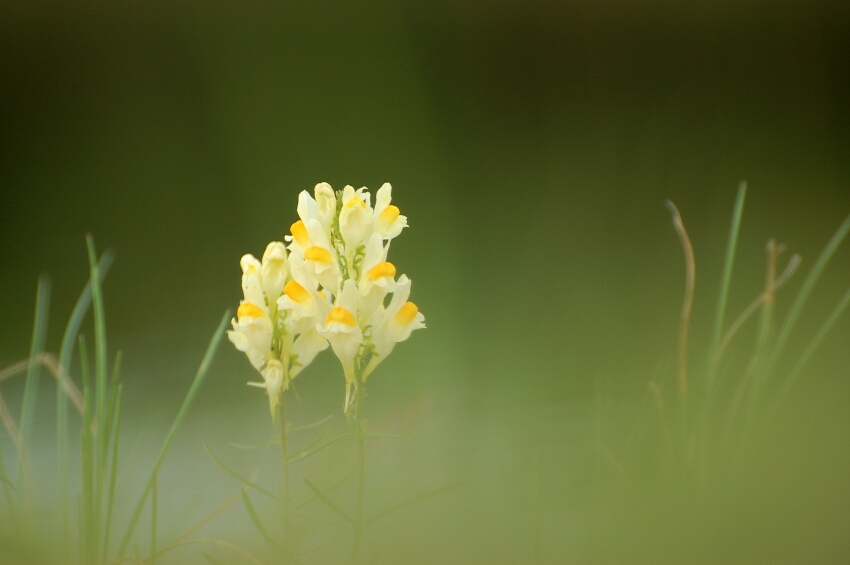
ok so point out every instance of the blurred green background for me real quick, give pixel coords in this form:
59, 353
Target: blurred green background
531, 145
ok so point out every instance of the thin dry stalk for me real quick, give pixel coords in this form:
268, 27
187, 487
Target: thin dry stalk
690, 272
49, 362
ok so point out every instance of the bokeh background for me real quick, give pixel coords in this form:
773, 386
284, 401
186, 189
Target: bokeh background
532, 146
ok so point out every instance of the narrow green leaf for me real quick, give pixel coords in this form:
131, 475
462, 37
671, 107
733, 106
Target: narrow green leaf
66, 352
316, 441
89, 526
181, 414
414, 500
7, 482
331, 504
806, 289
247, 447
305, 453
324, 420
255, 518
99, 367
113, 472
330, 489
39, 334
728, 264
239, 477
804, 358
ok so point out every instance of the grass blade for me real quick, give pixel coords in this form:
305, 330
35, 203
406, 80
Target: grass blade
414, 500
181, 414
729, 262
8, 483
330, 489
39, 334
66, 352
804, 358
239, 477
101, 437
324, 420
331, 504
88, 526
113, 472
806, 289
307, 452
255, 518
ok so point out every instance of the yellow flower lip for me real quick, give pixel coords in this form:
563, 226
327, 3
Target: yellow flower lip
341, 315
299, 232
389, 214
407, 313
318, 254
385, 269
247, 309
296, 292
355, 202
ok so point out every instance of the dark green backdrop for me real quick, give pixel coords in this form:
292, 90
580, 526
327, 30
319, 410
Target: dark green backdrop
530, 144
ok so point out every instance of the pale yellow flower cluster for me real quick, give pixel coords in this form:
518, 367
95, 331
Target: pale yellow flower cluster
331, 287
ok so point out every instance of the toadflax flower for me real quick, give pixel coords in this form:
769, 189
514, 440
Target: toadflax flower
331, 288
278, 341
354, 245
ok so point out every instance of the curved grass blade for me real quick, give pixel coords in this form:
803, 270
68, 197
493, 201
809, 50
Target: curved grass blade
246, 447
181, 414
688, 301
414, 500
7, 481
255, 518
310, 445
804, 358
307, 452
324, 420
806, 289
239, 477
331, 504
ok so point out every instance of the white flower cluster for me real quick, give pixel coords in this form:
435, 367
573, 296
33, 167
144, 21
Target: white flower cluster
331, 287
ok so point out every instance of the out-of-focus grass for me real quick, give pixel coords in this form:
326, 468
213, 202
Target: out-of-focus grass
744, 465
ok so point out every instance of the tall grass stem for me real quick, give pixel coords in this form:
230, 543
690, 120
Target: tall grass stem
181, 414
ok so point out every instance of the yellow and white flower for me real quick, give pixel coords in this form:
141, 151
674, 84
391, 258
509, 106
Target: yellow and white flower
393, 324
330, 289
343, 332
377, 278
278, 342
387, 220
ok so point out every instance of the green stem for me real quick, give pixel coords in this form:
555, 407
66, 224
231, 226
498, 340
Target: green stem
284, 488
181, 414
361, 458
